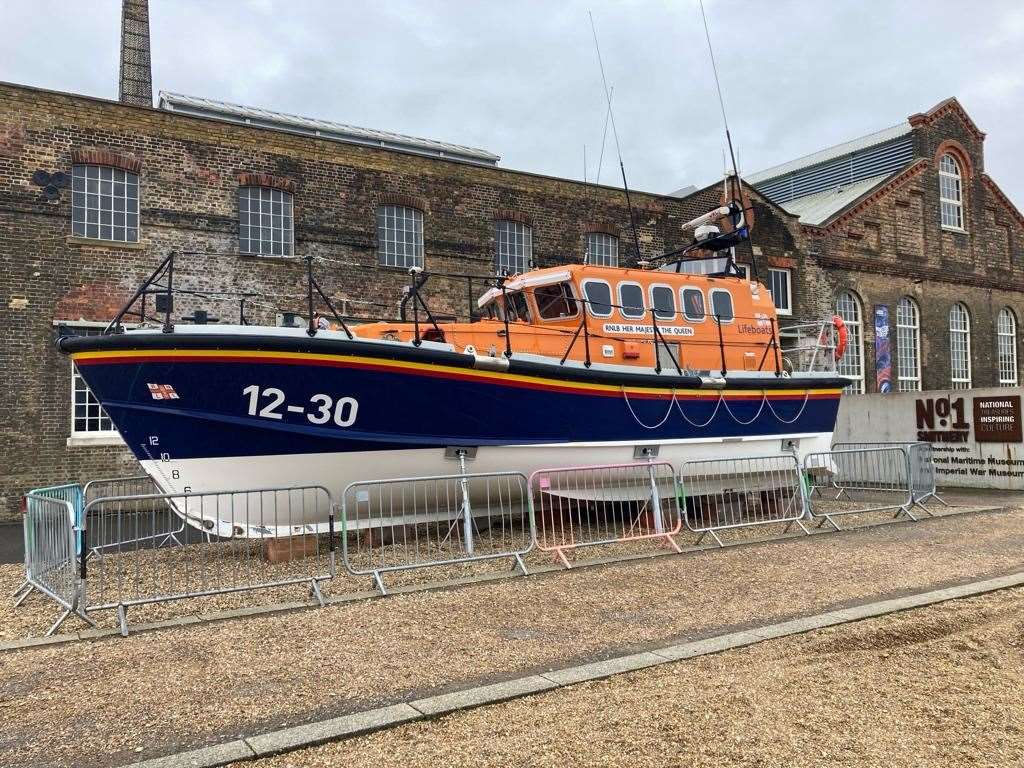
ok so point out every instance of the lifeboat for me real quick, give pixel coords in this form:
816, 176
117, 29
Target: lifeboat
563, 366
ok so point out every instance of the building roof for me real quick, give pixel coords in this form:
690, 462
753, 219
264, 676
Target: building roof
847, 147
818, 186
325, 129
818, 208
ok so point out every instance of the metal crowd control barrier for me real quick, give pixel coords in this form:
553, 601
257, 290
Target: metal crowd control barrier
735, 493
577, 507
922, 468
401, 524
50, 544
852, 481
146, 548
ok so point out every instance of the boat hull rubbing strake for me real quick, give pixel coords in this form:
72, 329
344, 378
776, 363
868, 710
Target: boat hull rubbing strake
206, 412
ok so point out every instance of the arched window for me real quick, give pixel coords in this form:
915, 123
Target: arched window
852, 362
1006, 347
960, 347
908, 345
951, 193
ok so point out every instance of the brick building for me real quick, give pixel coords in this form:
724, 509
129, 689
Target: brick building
95, 193
906, 223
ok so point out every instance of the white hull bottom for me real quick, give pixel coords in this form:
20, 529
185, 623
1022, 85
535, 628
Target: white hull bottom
269, 515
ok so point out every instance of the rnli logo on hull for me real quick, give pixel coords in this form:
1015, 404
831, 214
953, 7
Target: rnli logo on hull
162, 392
647, 330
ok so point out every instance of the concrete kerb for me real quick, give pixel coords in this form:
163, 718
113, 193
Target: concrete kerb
9, 646
359, 723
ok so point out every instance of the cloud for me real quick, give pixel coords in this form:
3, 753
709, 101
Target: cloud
520, 78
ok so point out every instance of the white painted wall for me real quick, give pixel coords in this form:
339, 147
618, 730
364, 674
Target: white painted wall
970, 464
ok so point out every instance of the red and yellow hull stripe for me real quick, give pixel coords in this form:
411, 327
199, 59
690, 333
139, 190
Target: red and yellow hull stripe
255, 357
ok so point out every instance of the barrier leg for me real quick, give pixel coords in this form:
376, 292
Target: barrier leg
122, 618
314, 591
63, 617
520, 564
379, 583
22, 592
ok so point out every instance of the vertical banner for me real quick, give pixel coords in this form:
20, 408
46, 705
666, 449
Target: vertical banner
883, 350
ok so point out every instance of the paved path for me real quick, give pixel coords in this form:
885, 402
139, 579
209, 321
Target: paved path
97, 703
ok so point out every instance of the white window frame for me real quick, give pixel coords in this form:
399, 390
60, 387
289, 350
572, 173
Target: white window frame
852, 363
951, 194
509, 235
788, 310
682, 304
86, 437
1006, 348
622, 302
609, 252
101, 192
959, 346
276, 231
586, 298
711, 305
908, 340
651, 305
389, 254
745, 269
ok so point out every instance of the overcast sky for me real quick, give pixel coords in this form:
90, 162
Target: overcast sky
521, 78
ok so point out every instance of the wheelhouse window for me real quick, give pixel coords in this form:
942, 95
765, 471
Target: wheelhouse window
780, 287
631, 300
1006, 347
104, 203
400, 236
908, 346
265, 222
960, 347
663, 301
599, 297
852, 362
721, 305
514, 243
555, 301
951, 193
602, 249
516, 307
693, 304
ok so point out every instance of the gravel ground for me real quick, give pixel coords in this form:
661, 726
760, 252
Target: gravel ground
941, 686
198, 566
111, 702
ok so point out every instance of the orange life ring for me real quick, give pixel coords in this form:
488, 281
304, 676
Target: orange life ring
843, 334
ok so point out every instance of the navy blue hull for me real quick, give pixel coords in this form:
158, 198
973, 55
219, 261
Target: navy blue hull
198, 407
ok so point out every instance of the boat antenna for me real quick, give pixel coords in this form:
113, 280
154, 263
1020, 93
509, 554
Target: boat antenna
615, 133
739, 219
604, 137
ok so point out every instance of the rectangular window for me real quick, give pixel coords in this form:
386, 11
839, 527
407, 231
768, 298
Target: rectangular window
721, 305
400, 236
265, 221
631, 300
663, 301
780, 287
514, 242
599, 297
702, 266
693, 304
88, 419
555, 301
602, 249
104, 203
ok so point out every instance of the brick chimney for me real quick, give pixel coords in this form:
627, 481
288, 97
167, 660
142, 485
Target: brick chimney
136, 85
